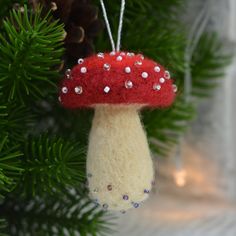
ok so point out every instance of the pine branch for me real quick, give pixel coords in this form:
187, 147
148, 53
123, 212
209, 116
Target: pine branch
209, 61
51, 164
61, 214
31, 48
9, 165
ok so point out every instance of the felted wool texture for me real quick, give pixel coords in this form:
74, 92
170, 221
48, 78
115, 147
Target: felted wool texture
118, 161
97, 78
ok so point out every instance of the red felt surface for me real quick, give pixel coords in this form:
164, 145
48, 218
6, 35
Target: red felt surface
97, 78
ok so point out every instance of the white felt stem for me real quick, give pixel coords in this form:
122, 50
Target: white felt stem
119, 163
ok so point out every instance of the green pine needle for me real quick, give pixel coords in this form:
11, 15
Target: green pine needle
61, 214
29, 48
51, 164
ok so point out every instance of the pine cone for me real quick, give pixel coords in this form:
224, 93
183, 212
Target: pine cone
81, 25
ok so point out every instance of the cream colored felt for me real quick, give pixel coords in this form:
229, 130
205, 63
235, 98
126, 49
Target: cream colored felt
119, 161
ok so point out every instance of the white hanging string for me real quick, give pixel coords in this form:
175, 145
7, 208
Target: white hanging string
107, 25
122, 10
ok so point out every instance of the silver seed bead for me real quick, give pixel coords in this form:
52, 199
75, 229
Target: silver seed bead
146, 191
119, 58
78, 90
128, 84
80, 61
107, 89
107, 66
127, 70
105, 206
83, 70
125, 197
162, 80
130, 54
68, 73
175, 88
167, 75
64, 90
100, 55
157, 69
145, 75
157, 87
138, 63
136, 205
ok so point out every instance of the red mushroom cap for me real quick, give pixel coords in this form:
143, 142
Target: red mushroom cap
117, 78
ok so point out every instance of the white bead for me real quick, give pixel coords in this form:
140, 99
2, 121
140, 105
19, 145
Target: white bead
83, 70
162, 80
122, 53
68, 73
100, 55
157, 69
59, 99
138, 63
127, 70
107, 66
112, 53
145, 75
64, 90
157, 87
128, 84
119, 58
175, 88
78, 90
107, 89
167, 74
80, 61
130, 54
141, 56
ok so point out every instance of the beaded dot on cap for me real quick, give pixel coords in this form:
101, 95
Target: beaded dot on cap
175, 88
145, 75
107, 89
119, 58
162, 80
127, 70
100, 55
112, 53
128, 84
68, 73
83, 70
167, 75
80, 61
122, 53
107, 66
130, 54
157, 69
64, 90
157, 87
78, 90
138, 63
125, 197
109, 187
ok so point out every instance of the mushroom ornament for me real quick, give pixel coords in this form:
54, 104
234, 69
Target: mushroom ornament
117, 85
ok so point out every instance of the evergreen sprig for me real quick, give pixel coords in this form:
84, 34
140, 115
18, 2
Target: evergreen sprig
63, 214
9, 165
29, 48
51, 164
